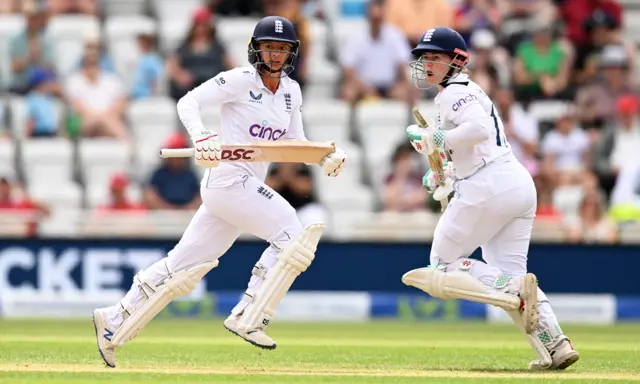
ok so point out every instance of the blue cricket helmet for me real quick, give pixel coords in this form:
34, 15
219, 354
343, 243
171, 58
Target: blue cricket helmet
440, 40
278, 29
443, 40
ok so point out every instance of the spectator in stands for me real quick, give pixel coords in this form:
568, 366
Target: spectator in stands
292, 10
30, 50
576, 12
148, 70
565, 152
375, 61
518, 15
119, 201
95, 43
41, 105
199, 58
521, 129
473, 15
9, 204
416, 16
294, 182
403, 190
599, 27
591, 225
483, 66
603, 31
89, 7
597, 101
619, 143
542, 67
97, 97
174, 185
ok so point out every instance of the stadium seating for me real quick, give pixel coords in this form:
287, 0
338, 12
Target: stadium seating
381, 127
47, 162
120, 33
68, 34
174, 17
10, 25
123, 7
100, 159
7, 158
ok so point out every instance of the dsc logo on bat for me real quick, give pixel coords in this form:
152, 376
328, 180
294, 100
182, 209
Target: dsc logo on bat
237, 154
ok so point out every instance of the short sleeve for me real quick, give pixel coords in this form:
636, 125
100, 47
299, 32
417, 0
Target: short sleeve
353, 51
71, 86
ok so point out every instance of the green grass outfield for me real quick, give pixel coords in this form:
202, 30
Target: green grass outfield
198, 351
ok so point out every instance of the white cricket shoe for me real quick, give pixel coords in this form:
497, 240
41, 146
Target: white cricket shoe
257, 336
104, 333
529, 310
563, 355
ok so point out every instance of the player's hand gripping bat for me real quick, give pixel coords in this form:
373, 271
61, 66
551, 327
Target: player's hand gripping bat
280, 151
435, 156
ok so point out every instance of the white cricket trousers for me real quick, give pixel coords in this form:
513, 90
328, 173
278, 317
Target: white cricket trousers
493, 209
248, 205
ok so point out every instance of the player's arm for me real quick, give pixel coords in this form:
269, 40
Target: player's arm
215, 91
473, 123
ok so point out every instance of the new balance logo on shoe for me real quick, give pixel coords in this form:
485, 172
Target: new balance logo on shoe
108, 334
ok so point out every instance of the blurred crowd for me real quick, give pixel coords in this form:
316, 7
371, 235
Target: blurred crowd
585, 157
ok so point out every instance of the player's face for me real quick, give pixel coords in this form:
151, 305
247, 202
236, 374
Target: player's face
274, 53
436, 66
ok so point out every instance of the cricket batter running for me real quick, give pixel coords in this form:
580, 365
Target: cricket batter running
258, 102
493, 206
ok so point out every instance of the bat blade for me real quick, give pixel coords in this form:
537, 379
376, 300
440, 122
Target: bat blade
285, 151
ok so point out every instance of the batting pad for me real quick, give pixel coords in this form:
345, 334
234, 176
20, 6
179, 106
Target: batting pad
544, 358
294, 259
176, 285
458, 285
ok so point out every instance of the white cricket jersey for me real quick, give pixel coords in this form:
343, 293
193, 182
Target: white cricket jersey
249, 112
463, 102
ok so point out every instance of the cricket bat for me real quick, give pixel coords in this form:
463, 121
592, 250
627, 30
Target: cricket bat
280, 151
436, 158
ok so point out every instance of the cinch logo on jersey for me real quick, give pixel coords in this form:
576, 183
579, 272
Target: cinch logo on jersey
264, 132
463, 101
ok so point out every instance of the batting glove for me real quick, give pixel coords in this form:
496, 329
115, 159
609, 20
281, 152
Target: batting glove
333, 162
208, 149
432, 184
426, 140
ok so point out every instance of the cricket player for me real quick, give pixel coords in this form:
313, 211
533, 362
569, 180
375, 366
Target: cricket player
493, 206
258, 102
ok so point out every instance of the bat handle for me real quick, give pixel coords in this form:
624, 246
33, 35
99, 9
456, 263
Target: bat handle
418, 116
180, 152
